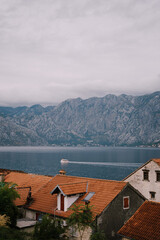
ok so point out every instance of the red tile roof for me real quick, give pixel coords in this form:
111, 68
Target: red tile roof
23, 196
42, 186
73, 188
105, 192
36, 182
144, 224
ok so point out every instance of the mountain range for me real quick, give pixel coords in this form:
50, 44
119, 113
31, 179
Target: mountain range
112, 120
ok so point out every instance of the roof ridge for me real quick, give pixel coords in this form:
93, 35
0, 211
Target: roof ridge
87, 178
30, 174
137, 169
44, 185
71, 183
11, 170
152, 202
152, 159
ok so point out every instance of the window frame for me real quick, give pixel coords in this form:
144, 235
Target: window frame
144, 172
154, 195
157, 173
126, 197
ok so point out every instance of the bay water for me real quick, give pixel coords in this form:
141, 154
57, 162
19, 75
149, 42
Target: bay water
96, 162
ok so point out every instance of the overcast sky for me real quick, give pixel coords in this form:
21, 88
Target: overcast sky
52, 50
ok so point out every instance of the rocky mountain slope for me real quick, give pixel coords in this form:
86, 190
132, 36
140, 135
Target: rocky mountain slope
111, 120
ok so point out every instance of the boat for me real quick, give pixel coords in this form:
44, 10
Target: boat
64, 161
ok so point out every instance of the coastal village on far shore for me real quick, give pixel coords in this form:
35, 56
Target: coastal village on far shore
127, 209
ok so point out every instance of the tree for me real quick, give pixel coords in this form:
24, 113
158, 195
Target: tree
7, 233
81, 218
48, 228
7, 196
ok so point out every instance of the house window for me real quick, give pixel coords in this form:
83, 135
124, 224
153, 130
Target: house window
62, 202
145, 175
152, 195
158, 176
125, 202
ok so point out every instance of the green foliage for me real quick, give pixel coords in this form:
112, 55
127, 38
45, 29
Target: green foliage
97, 236
48, 228
7, 196
81, 218
11, 234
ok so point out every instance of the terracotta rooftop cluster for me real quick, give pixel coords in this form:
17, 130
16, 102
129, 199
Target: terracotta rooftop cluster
42, 186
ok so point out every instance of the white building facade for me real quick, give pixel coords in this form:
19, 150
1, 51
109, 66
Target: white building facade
146, 180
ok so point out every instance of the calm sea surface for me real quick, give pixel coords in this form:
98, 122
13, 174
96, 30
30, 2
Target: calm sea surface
97, 162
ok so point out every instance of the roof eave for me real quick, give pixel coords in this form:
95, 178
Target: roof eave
57, 189
137, 169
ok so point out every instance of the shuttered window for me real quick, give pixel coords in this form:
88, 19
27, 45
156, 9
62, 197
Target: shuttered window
62, 202
152, 195
158, 176
125, 202
145, 175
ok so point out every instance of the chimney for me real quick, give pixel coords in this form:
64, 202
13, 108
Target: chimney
62, 172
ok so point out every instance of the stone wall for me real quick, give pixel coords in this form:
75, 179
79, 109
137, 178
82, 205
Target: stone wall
114, 216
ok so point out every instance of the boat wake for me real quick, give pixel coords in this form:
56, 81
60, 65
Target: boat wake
116, 164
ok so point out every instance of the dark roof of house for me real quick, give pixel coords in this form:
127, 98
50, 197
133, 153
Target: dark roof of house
144, 224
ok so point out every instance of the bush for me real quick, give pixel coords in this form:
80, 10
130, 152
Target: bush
48, 228
7, 196
7, 233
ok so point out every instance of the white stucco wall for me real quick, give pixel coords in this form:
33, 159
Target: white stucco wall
68, 201
59, 201
65, 203
144, 186
30, 214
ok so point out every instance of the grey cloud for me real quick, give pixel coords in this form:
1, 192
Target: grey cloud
53, 50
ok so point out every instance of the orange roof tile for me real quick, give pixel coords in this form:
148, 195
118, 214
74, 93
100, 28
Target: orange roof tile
105, 192
73, 188
23, 196
144, 224
36, 182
